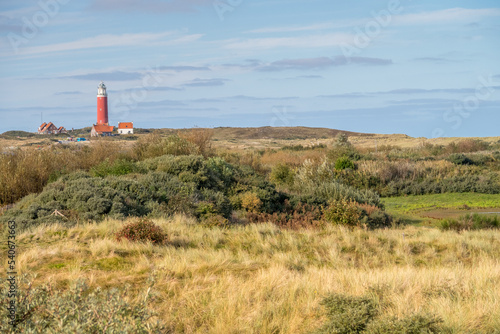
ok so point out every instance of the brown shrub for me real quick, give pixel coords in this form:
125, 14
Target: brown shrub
201, 138
292, 217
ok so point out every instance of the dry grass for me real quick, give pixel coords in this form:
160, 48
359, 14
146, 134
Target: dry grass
259, 279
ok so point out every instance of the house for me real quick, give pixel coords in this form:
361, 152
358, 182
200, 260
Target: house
125, 128
50, 128
101, 130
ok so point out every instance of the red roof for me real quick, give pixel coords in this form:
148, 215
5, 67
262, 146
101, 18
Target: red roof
103, 128
125, 125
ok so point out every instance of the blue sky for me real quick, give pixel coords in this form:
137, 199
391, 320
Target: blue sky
423, 68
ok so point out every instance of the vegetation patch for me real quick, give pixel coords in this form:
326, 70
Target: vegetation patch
471, 222
79, 309
142, 231
349, 315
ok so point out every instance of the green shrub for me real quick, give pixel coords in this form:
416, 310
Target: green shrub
323, 193
142, 231
496, 155
343, 212
169, 184
471, 222
414, 324
347, 315
344, 163
459, 159
281, 174
46, 309
480, 159
376, 219
117, 167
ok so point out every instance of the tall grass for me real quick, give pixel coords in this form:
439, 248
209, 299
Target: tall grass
26, 171
260, 279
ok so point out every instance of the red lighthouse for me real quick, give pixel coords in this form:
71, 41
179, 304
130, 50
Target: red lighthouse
102, 128
102, 104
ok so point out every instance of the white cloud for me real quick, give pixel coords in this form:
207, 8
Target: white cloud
109, 40
319, 26
326, 40
446, 15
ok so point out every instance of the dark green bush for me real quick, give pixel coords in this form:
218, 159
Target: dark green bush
344, 163
45, 309
142, 231
347, 315
170, 184
354, 315
459, 159
376, 219
480, 159
415, 324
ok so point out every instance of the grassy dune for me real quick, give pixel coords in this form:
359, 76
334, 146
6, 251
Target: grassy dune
260, 279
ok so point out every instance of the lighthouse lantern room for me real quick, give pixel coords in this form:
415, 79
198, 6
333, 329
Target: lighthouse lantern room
102, 104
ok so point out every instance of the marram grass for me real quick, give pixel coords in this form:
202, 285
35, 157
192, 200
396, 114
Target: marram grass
260, 279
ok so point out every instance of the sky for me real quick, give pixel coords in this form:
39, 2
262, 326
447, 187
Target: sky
423, 68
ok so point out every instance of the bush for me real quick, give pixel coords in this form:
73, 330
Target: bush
352, 315
459, 159
343, 212
154, 145
375, 218
142, 231
323, 193
173, 184
467, 146
293, 216
250, 202
496, 155
118, 167
347, 315
414, 324
471, 222
45, 309
201, 138
281, 174
344, 163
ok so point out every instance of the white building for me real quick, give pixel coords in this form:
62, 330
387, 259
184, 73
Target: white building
126, 128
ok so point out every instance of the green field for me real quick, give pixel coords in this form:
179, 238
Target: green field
428, 209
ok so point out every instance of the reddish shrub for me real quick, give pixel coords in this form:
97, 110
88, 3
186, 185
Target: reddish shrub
293, 217
142, 231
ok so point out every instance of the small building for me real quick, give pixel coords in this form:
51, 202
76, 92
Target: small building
101, 130
126, 128
50, 128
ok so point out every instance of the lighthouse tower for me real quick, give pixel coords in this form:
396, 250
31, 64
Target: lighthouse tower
102, 104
